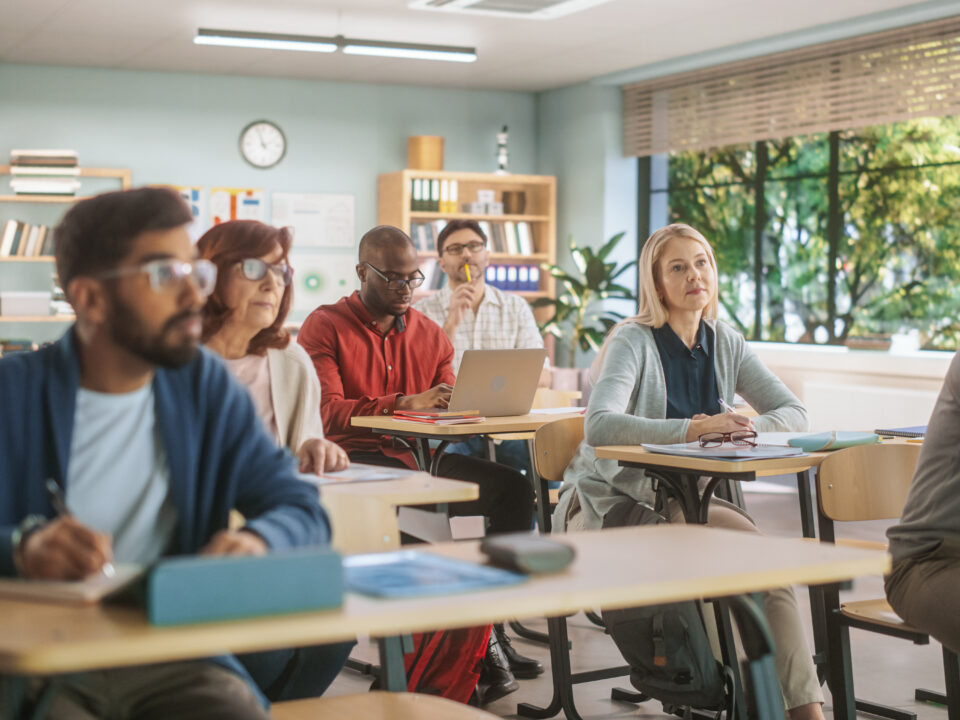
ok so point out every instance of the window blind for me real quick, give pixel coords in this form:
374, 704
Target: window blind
879, 78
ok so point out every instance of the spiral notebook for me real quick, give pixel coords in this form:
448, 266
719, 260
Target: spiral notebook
914, 431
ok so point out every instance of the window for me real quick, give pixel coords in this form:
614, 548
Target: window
840, 237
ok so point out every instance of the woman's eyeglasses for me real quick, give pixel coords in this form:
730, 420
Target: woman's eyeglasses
256, 269
738, 437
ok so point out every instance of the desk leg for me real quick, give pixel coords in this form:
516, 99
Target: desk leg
818, 608
434, 468
393, 675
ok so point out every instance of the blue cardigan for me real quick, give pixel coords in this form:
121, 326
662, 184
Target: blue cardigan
218, 453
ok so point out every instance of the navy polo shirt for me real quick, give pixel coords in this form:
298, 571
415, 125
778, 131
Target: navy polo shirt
689, 374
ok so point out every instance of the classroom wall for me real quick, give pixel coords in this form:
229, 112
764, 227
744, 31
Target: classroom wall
579, 141
183, 129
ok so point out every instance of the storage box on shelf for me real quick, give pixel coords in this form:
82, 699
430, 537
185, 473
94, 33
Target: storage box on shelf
518, 241
28, 275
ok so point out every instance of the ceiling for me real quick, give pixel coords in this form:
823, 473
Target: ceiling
514, 54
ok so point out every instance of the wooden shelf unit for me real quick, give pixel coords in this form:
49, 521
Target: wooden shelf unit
122, 175
395, 194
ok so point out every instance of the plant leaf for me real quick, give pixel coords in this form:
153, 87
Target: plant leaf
609, 245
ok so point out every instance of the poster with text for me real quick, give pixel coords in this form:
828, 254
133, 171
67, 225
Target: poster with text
321, 278
318, 220
235, 204
196, 198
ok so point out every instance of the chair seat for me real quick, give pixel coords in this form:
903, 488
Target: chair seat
876, 611
377, 706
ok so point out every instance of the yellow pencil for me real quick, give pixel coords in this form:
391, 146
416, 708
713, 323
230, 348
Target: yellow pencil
915, 440
466, 269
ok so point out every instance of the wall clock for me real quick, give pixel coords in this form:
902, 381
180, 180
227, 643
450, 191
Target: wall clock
262, 144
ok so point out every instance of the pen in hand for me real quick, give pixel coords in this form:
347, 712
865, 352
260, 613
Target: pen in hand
725, 406
59, 503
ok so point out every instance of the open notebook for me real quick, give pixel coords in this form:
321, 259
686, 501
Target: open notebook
726, 452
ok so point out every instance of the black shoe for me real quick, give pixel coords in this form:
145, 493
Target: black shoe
522, 667
496, 680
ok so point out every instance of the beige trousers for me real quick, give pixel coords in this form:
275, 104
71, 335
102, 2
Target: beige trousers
795, 669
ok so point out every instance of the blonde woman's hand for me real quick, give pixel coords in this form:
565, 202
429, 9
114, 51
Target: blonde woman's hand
721, 423
318, 455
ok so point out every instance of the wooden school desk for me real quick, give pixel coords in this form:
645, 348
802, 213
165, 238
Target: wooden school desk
424, 432
669, 563
364, 516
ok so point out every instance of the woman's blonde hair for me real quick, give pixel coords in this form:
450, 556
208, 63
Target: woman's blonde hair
650, 308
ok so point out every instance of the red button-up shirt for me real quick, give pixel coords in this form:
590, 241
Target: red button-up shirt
362, 371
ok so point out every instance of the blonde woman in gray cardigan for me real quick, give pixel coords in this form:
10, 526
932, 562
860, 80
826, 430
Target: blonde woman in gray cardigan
243, 323
658, 379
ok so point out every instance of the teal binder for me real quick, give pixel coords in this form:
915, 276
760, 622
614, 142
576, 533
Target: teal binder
835, 440
199, 589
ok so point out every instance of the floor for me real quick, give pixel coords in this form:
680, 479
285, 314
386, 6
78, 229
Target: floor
886, 670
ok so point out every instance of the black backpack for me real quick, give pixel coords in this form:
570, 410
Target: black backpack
666, 646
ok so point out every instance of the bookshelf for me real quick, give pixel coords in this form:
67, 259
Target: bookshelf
395, 199
20, 273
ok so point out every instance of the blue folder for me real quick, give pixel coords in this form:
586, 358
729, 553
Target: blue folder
411, 573
227, 587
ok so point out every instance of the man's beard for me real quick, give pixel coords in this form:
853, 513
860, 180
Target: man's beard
125, 329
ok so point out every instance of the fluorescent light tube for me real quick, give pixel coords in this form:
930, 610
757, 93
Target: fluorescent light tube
411, 51
265, 41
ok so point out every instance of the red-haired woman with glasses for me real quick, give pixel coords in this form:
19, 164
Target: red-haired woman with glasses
243, 323
666, 376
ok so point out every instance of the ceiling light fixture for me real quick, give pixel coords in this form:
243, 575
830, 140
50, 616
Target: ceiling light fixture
412, 51
349, 46
265, 41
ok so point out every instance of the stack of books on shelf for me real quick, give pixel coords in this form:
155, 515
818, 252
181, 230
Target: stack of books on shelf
439, 417
510, 238
424, 234
44, 172
433, 195
513, 278
434, 277
20, 239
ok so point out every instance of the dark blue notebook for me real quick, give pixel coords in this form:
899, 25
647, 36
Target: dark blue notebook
411, 573
915, 431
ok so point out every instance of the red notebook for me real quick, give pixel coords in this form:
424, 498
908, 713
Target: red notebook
439, 417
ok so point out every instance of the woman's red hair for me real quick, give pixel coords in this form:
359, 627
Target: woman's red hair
227, 244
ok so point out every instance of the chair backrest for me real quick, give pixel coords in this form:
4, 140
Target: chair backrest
550, 398
867, 482
554, 445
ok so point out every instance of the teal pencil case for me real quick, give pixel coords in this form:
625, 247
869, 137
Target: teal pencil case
199, 589
836, 440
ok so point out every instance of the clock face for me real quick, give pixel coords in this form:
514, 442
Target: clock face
262, 144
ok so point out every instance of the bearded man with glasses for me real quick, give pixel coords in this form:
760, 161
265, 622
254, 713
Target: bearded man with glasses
152, 442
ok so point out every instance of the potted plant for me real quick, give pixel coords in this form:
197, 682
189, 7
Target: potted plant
578, 320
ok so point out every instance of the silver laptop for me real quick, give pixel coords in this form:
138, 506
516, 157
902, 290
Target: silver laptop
497, 382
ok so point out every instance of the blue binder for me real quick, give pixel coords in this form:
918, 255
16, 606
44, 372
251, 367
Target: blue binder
198, 589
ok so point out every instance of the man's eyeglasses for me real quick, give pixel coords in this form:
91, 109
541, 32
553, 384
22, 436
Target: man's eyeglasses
398, 283
738, 437
256, 269
474, 247
171, 274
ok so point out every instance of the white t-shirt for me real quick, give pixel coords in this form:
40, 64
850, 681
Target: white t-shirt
118, 481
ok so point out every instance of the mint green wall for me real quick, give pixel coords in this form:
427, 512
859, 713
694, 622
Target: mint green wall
579, 141
183, 129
